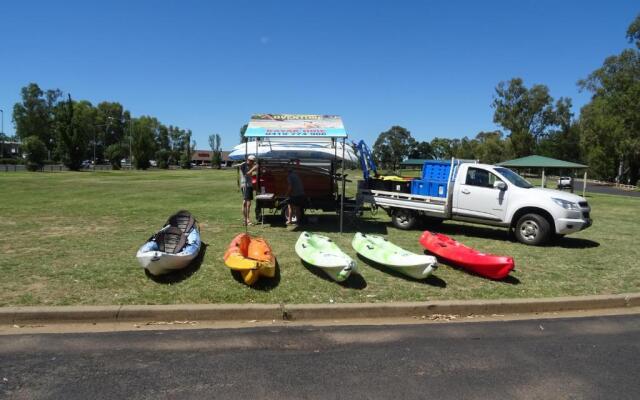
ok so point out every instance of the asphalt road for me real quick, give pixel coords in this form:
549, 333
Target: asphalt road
586, 358
593, 188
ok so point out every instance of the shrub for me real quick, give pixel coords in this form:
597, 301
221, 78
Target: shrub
36, 153
114, 153
185, 162
11, 161
162, 158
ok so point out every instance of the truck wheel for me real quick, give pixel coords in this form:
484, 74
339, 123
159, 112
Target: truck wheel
532, 229
403, 219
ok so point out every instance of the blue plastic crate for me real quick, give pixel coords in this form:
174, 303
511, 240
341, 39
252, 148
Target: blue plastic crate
429, 188
436, 170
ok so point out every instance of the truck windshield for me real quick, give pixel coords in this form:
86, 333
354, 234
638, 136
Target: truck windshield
514, 178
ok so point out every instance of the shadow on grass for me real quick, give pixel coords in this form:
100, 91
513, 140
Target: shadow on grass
504, 234
354, 281
326, 223
473, 231
263, 283
430, 280
180, 274
574, 243
331, 223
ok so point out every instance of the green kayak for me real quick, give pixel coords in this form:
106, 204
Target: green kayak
381, 251
323, 253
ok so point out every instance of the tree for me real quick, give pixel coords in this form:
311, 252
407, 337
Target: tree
163, 139
34, 115
185, 159
177, 137
215, 142
243, 129
421, 150
74, 126
466, 149
442, 148
611, 121
114, 153
490, 147
35, 151
526, 113
144, 144
392, 146
110, 124
633, 32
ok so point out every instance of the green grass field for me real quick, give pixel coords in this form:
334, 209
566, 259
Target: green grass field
71, 238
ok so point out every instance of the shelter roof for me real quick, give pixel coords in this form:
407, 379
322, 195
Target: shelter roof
535, 161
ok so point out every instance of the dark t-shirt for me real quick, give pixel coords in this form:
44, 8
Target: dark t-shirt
296, 184
245, 178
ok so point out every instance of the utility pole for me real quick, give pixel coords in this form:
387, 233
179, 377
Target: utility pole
130, 136
2, 136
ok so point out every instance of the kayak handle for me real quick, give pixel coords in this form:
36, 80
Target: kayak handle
369, 247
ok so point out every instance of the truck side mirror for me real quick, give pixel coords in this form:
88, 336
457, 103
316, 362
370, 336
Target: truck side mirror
499, 185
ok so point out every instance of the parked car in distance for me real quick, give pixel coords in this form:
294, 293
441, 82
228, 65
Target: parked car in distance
565, 182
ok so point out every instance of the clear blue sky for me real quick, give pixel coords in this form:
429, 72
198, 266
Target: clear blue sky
429, 66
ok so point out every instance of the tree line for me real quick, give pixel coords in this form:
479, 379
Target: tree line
605, 136
52, 127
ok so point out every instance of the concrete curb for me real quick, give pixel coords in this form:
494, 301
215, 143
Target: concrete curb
463, 308
308, 312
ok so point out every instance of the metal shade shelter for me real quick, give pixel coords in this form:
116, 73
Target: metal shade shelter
543, 163
302, 127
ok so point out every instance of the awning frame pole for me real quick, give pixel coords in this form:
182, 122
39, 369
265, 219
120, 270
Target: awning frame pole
344, 181
542, 184
244, 178
584, 184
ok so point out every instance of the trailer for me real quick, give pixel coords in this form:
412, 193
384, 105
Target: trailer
313, 145
321, 182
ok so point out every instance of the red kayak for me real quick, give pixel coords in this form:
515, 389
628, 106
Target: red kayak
487, 265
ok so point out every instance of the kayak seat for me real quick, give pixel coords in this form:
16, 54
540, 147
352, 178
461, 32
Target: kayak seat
182, 220
171, 240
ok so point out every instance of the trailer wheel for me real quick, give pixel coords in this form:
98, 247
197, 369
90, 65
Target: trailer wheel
403, 219
259, 212
533, 229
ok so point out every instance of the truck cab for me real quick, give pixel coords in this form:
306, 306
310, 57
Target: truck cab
498, 196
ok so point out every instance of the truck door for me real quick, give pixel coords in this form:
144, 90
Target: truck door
476, 196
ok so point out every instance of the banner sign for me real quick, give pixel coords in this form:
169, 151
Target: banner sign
295, 125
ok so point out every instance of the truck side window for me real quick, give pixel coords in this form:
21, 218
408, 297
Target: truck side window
480, 177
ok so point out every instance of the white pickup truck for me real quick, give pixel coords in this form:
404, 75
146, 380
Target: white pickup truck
489, 195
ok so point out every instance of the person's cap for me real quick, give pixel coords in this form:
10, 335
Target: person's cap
251, 158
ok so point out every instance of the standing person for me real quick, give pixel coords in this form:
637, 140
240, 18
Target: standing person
247, 170
295, 191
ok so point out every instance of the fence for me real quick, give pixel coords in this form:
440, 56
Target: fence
616, 185
52, 168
